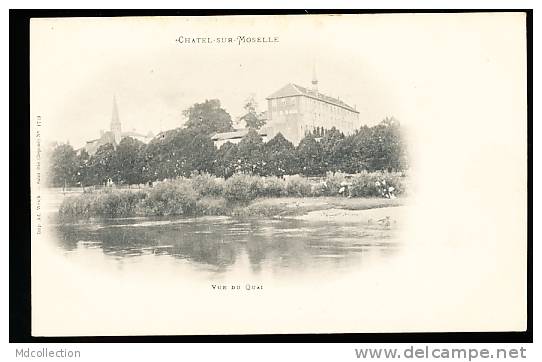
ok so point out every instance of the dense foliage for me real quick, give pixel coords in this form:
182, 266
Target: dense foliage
205, 194
208, 117
183, 151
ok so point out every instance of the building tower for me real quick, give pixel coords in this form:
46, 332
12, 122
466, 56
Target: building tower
314, 80
115, 122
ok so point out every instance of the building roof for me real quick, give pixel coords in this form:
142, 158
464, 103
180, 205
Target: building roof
239, 133
290, 90
135, 134
261, 115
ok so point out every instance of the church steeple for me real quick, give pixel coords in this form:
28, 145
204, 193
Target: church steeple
115, 122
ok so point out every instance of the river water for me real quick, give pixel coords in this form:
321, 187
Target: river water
215, 246
161, 275
334, 272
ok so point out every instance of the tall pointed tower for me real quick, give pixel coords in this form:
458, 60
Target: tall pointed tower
115, 122
314, 80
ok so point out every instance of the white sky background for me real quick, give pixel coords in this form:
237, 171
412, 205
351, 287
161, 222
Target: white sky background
403, 65
458, 81
78, 64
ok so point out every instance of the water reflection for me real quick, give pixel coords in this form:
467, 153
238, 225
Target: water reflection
219, 243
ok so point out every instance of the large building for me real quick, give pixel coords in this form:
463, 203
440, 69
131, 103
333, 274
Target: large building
294, 111
115, 134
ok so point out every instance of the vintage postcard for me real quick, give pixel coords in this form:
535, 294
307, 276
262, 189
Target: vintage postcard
279, 174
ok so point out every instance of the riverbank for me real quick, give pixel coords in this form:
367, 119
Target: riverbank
313, 206
240, 196
386, 217
82, 206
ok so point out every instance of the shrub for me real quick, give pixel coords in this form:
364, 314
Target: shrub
242, 188
298, 186
372, 184
171, 198
204, 194
120, 203
77, 206
334, 183
206, 184
273, 187
364, 185
319, 189
106, 204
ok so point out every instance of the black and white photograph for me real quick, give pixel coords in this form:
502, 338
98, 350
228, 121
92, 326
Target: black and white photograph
278, 174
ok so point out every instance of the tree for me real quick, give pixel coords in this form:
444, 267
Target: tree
251, 153
310, 156
253, 119
200, 152
380, 147
63, 166
182, 151
128, 161
280, 156
227, 160
352, 160
389, 147
333, 152
208, 117
158, 155
82, 167
178, 152
101, 165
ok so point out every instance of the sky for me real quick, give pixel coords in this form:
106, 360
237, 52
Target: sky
77, 66
410, 66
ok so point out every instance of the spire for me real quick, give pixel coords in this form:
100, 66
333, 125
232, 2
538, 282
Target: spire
115, 121
115, 115
314, 79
